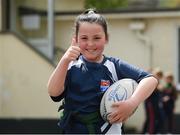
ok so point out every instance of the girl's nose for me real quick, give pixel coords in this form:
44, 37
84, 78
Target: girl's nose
90, 43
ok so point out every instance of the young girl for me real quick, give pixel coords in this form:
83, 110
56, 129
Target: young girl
83, 70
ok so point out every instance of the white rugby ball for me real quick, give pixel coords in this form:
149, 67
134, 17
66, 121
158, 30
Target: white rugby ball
119, 91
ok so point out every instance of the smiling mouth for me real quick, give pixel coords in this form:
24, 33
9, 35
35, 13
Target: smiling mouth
91, 51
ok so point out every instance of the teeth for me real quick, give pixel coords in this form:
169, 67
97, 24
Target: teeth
92, 51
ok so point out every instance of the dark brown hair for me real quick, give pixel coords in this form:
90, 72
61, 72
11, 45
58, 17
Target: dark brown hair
91, 16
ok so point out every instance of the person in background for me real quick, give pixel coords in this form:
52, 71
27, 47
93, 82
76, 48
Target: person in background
154, 108
169, 98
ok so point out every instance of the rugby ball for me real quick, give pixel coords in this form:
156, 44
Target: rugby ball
119, 91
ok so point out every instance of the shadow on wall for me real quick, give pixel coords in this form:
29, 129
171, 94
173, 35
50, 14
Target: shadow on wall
45, 126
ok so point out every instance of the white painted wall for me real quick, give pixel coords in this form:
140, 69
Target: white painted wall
24, 75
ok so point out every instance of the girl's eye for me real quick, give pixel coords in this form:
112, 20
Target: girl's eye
97, 38
84, 38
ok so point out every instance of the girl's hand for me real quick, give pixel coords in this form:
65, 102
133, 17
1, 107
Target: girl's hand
73, 52
121, 111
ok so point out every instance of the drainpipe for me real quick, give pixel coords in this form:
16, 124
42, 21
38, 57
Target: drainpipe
1, 15
51, 37
138, 28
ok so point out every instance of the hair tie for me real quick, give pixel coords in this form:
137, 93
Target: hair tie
91, 12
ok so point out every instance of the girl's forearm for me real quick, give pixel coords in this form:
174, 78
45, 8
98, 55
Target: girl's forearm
57, 79
144, 90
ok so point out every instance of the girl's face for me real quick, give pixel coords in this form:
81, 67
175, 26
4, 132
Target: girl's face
169, 79
91, 39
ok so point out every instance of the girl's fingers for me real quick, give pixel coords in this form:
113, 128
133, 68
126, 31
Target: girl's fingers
117, 104
73, 42
114, 119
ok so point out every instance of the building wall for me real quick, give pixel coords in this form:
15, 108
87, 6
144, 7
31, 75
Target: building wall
69, 5
42, 31
60, 5
39, 4
124, 44
24, 78
162, 33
